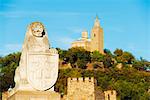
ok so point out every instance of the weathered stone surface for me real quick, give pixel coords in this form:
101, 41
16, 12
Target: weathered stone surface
35, 95
80, 89
38, 67
43, 75
110, 95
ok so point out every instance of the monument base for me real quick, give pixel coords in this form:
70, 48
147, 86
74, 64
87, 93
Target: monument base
34, 95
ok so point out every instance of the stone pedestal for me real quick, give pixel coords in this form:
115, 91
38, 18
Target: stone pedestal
34, 95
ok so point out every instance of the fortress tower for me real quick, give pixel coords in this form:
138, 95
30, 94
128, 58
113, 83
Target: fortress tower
110, 95
80, 88
97, 38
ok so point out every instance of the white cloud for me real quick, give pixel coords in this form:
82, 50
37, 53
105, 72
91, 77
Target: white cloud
13, 47
61, 42
10, 48
65, 40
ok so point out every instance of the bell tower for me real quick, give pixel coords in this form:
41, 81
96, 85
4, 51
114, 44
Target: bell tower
97, 37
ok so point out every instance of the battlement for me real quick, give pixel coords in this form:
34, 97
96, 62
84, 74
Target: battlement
110, 95
81, 88
81, 79
112, 92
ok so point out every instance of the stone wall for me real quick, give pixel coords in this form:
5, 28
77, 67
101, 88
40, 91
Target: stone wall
80, 89
110, 95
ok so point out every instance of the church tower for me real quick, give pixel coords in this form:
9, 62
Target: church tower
97, 38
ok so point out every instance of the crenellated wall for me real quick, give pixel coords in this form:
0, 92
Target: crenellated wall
80, 88
81, 79
110, 95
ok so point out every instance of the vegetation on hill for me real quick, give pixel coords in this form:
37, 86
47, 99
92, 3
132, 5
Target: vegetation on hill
131, 81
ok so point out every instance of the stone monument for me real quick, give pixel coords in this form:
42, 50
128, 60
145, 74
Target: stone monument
38, 67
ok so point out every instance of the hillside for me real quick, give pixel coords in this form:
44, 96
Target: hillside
131, 79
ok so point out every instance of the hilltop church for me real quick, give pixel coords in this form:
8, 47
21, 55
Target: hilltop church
96, 42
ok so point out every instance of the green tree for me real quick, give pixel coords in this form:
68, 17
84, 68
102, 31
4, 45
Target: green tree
118, 52
107, 52
138, 65
98, 65
62, 54
96, 56
82, 63
78, 57
8, 65
127, 57
107, 61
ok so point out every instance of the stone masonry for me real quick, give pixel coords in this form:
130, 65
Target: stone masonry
80, 89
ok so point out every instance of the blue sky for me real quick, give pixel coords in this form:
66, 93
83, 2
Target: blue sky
126, 23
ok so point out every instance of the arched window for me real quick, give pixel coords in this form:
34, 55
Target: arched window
94, 34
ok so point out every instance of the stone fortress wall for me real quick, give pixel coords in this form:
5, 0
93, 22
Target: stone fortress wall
84, 89
110, 95
80, 89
